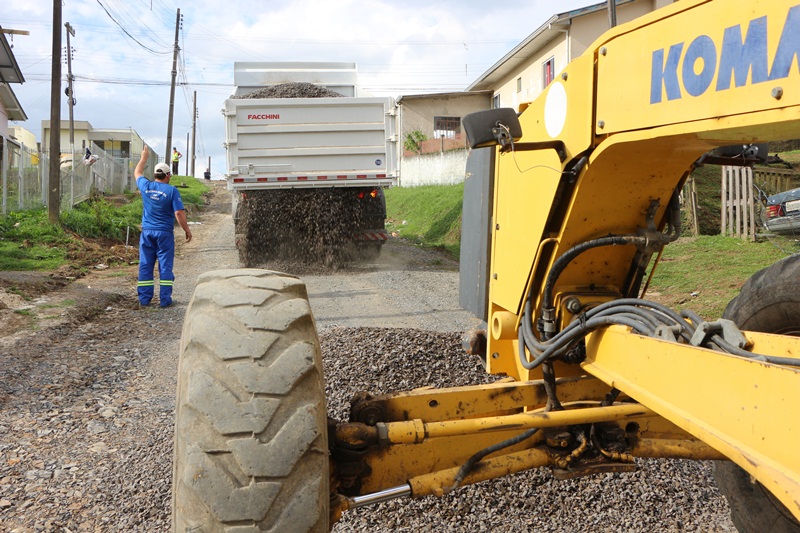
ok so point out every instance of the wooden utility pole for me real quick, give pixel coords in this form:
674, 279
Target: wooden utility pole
194, 126
71, 102
54, 174
187, 151
172, 89
612, 13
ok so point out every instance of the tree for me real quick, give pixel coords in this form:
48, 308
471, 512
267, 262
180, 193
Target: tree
414, 140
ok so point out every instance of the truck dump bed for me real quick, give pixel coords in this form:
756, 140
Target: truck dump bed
310, 142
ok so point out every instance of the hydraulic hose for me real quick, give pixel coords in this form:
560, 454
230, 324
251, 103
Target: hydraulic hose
561, 263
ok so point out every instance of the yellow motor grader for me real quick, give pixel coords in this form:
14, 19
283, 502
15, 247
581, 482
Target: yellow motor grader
569, 203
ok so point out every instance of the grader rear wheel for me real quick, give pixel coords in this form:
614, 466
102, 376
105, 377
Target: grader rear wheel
251, 450
768, 302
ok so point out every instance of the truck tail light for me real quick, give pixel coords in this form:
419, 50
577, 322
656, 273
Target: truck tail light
372, 194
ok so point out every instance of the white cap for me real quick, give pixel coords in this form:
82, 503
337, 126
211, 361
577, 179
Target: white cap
162, 169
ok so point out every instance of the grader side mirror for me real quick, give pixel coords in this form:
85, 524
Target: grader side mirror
492, 127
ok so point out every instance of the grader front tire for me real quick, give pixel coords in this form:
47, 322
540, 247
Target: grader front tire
251, 450
769, 302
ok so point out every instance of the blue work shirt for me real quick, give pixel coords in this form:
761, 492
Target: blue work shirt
160, 201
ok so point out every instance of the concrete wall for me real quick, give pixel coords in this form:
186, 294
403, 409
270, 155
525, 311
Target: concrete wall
22, 136
445, 168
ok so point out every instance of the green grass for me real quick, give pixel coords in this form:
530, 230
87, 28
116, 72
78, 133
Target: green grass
428, 215
704, 273
29, 242
191, 189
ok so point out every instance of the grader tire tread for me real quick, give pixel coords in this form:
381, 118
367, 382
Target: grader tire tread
250, 432
769, 302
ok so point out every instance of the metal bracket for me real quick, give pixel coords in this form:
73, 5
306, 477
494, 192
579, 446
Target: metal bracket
726, 328
558, 146
668, 333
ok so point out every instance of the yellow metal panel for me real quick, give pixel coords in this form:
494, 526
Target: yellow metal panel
527, 180
522, 202
686, 68
746, 409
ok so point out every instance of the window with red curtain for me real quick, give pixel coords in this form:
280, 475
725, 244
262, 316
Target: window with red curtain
549, 68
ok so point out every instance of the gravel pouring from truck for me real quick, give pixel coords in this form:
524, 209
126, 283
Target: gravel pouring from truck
307, 164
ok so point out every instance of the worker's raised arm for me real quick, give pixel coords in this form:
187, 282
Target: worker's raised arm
139, 170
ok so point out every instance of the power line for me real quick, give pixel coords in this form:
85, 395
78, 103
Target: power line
133, 20
128, 34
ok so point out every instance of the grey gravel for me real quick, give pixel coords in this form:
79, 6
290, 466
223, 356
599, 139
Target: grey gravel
662, 496
87, 399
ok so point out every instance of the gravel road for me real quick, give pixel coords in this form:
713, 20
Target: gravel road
87, 385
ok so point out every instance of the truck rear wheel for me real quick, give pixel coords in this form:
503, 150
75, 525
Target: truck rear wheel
769, 302
251, 450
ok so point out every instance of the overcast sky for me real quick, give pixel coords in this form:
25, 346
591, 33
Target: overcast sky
122, 59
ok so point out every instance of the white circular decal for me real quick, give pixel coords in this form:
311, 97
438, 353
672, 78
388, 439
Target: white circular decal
555, 109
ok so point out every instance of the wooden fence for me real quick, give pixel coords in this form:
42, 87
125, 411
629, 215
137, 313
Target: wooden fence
742, 193
738, 203
775, 180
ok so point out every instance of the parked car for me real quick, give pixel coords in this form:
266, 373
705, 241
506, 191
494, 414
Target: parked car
783, 212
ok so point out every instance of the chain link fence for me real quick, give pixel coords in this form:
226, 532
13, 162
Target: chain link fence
24, 174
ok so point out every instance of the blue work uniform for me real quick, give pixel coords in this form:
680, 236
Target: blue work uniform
160, 201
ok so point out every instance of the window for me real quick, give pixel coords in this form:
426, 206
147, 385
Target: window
519, 84
548, 71
446, 127
496, 101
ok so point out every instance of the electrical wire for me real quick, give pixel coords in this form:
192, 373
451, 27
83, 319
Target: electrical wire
126, 32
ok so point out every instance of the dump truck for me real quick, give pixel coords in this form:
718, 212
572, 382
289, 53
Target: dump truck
308, 155
569, 204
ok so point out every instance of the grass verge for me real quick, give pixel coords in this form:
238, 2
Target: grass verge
429, 216
29, 242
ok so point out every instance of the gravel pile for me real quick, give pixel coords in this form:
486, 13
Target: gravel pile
291, 90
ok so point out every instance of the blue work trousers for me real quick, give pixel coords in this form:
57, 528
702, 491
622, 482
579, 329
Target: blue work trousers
156, 245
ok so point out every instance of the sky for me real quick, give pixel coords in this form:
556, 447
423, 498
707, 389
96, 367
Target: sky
123, 53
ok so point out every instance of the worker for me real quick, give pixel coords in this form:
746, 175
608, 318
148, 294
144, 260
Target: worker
161, 203
176, 156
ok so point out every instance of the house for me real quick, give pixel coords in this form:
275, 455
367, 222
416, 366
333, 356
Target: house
441, 157
437, 117
523, 73
518, 77
118, 143
10, 108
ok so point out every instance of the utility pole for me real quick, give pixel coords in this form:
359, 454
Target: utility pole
54, 177
194, 126
187, 151
172, 87
612, 13
70, 95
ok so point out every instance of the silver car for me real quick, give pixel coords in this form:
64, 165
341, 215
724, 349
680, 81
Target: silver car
783, 213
